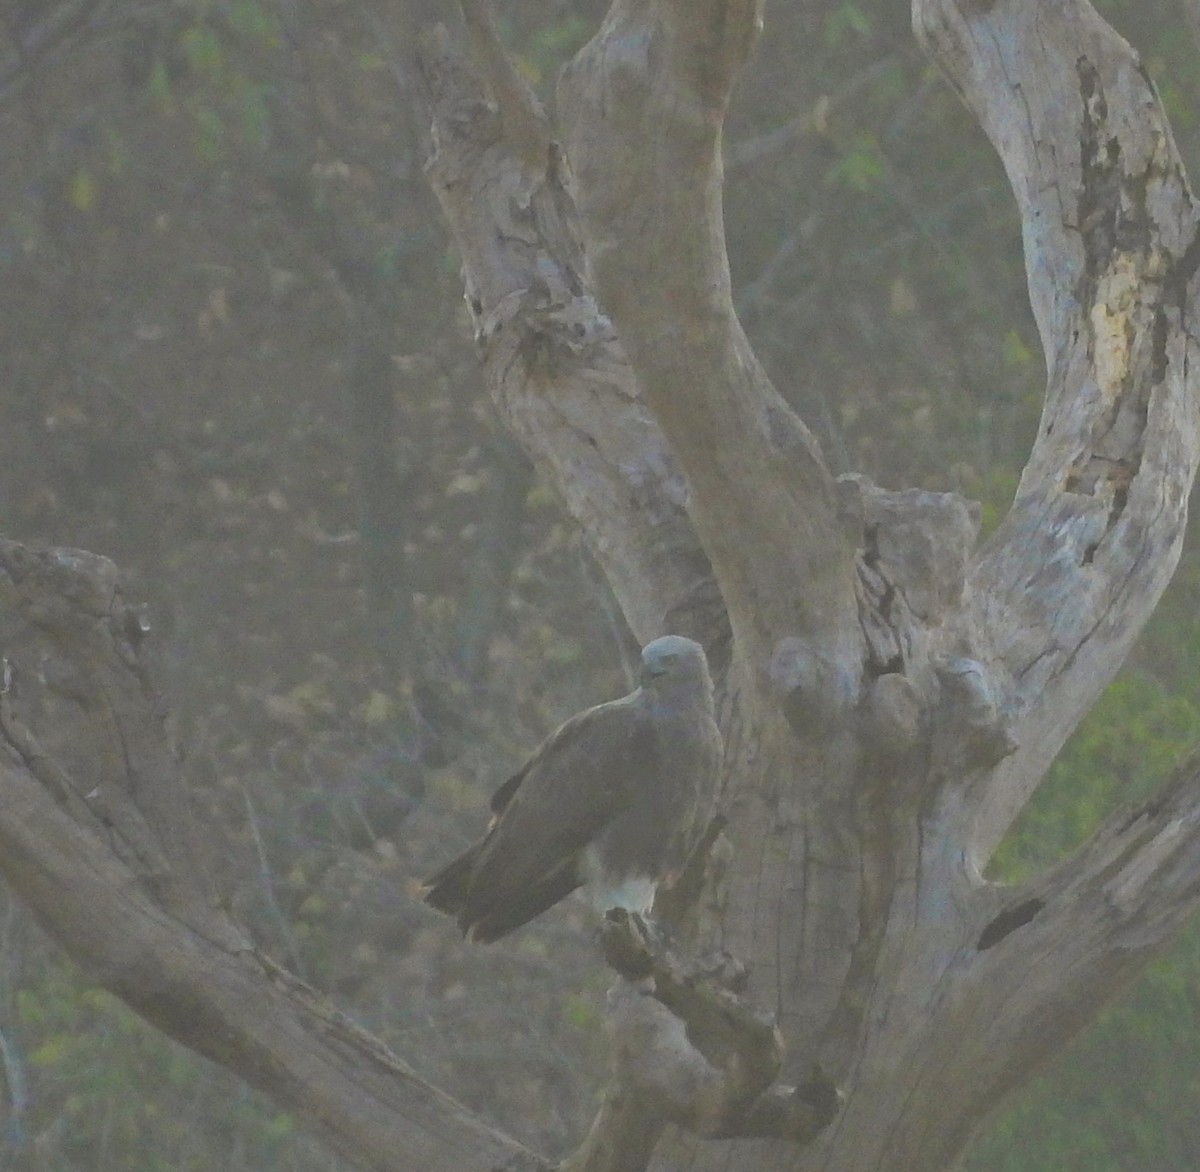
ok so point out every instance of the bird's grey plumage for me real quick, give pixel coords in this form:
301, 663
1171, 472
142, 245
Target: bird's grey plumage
616, 798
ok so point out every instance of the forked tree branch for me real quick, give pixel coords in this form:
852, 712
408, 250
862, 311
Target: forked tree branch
641, 108
95, 837
1060, 592
552, 364
1064, 944
1041, 960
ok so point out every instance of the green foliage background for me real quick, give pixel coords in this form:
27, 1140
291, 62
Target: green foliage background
210, 207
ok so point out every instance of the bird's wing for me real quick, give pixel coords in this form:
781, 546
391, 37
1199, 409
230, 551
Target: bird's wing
579, 779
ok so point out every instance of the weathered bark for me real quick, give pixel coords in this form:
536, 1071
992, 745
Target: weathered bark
97, 837
552, 363
1062, 589
890, 696
100, 849
688, 1050
896, 695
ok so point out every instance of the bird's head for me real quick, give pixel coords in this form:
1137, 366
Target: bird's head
674, 662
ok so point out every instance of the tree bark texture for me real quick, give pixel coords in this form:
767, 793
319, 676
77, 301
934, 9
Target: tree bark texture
96, 838
890, 694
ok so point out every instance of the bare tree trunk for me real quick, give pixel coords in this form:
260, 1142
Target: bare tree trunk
890, 695
893, 696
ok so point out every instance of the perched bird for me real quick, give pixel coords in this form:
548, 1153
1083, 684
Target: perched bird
616, 799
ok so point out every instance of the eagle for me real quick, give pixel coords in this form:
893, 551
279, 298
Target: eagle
615, 799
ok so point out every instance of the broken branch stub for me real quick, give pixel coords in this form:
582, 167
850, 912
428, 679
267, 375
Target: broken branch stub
690, 1050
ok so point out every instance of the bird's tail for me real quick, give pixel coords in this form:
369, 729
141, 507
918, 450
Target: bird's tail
449, 889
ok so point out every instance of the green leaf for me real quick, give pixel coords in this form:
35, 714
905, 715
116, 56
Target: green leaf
203, 49
252, 20
860, 167
53, 1051
844, 21
159, 83
209, 138
81, 191
1014, 350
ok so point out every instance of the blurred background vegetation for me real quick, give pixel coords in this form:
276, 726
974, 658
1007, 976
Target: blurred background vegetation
233, 358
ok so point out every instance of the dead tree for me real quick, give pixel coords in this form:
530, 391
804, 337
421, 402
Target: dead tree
891, 694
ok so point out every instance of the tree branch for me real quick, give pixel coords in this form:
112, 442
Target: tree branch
687, 1049
93, 841
641, 108
553, 366
1054, 951
1125, 892
96, 838
526, 130
1060, 592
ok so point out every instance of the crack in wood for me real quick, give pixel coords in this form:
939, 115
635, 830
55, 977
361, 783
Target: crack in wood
1174, 296
1007, 922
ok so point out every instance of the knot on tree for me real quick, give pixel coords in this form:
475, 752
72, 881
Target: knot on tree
688, 1049
896, 714
557, 331
973, 727
810, 684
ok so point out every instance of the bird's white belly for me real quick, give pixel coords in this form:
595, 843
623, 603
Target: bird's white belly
604, 890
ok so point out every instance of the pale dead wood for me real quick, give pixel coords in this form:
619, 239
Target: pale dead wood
99, 849
887, 707
552, 364
688, 1049
1059, 593
1027, 968
897, 695
641, 108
